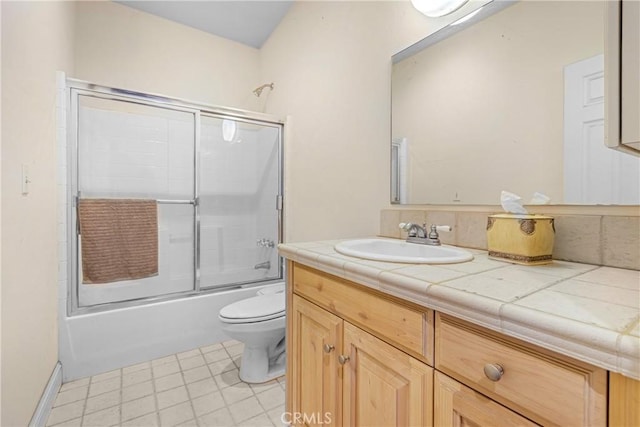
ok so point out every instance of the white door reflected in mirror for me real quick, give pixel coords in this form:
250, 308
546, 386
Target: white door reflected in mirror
593, 173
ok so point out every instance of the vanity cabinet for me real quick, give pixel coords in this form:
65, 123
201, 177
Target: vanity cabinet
339, 373
359, 357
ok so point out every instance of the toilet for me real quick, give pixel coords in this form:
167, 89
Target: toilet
259, 323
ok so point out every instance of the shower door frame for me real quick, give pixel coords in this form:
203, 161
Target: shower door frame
75, 89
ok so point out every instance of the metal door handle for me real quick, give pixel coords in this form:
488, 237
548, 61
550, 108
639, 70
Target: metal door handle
342, 359
328, 348
493, 371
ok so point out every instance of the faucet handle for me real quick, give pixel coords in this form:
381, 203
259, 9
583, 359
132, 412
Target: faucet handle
433, 232
410, 228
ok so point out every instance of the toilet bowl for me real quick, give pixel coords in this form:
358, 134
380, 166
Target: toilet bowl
259, 323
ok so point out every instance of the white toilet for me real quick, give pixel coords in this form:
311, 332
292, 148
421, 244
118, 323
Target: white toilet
259, 323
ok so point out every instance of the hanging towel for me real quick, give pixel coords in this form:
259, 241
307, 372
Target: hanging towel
119, 239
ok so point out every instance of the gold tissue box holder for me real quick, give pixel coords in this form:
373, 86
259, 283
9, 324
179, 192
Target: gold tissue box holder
522, 239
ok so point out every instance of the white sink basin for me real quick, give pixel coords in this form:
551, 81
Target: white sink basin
401, 251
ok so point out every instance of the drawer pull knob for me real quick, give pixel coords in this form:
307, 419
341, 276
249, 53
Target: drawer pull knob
328, 348
342, 359
493, 371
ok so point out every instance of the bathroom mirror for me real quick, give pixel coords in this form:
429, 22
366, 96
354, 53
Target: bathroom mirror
513, 102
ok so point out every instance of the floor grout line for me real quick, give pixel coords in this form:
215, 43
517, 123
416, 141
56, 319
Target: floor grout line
231, 360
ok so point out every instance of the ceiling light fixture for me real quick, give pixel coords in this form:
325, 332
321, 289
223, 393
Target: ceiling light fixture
437, 8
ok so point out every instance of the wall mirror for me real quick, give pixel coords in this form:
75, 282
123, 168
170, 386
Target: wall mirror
513, 101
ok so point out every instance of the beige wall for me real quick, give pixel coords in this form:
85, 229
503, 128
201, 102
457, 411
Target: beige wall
123, 47
331, 64
36, 41
483, 110
334, 84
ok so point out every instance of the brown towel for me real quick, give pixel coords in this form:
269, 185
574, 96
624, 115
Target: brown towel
119, 239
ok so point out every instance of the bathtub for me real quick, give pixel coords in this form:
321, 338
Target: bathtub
94, 343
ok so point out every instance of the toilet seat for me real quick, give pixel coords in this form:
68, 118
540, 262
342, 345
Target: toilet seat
254, 309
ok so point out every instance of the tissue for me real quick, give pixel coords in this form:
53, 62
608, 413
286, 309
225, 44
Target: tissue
512, 203
539, 199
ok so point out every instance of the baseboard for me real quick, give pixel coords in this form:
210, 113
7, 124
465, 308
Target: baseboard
43, 409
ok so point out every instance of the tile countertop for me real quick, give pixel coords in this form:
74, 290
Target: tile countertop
584, 311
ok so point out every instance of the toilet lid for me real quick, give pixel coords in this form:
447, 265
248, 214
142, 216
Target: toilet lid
261, 307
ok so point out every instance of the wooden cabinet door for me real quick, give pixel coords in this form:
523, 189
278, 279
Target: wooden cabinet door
456, 405
383, 386
317, 389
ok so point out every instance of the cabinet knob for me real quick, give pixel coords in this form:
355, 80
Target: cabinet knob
328, 348
493, 371
342, 359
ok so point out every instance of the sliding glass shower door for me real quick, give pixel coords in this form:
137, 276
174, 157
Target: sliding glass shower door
133, 151
239, 191
216, 179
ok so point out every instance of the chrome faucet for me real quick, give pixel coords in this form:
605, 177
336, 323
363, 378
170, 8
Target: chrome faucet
414, 230
418, 234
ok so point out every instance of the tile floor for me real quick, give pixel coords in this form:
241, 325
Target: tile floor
200, 387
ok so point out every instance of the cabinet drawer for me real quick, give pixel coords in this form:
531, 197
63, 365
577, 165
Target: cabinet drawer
457, 405
547, 388
396, 322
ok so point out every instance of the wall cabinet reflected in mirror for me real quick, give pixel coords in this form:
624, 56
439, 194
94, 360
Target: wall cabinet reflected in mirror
515, 101
622, 67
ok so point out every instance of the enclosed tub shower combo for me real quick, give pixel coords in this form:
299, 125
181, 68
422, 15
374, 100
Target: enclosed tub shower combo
172, 211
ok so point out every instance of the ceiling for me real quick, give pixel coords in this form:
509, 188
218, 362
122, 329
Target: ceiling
247, 22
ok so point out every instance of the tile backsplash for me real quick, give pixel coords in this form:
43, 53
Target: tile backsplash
600, 239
